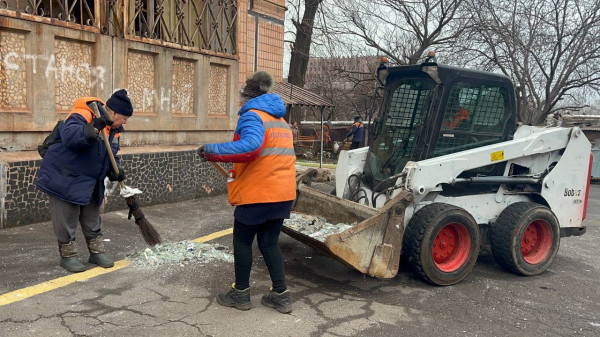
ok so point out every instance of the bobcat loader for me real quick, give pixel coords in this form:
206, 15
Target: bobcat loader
448, 170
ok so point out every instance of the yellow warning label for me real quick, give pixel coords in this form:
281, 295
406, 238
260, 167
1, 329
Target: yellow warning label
498, 155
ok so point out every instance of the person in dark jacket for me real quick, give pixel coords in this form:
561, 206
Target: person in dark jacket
72, 174
357, 131
262, 188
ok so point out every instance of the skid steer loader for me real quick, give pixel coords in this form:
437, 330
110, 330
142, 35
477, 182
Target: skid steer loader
447, 170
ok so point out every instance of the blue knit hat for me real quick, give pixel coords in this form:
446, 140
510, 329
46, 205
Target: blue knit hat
120, 103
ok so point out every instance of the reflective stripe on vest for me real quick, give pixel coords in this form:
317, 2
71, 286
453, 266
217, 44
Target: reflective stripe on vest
272, 176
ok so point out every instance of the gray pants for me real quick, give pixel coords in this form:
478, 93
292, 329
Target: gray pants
66, 215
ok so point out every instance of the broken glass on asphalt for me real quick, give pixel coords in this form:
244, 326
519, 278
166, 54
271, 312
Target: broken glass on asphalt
316, 227
181, 252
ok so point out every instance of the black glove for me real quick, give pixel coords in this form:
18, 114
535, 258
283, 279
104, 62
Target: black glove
99, 123
113, 176
201, 153
90, 133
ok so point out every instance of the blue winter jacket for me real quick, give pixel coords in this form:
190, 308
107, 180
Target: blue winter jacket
357, 131
247, 144
71, 169
249, 134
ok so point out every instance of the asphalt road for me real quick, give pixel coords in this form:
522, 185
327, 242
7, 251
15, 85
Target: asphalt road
330, 299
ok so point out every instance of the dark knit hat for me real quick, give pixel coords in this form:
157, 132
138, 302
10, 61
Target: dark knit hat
120, 103
258, 84
356, 118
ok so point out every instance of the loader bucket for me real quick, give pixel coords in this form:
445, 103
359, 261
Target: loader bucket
372, 246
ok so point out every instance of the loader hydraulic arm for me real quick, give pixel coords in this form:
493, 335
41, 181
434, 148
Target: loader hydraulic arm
427, 175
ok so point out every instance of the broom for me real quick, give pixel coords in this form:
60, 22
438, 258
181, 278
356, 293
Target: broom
149, 233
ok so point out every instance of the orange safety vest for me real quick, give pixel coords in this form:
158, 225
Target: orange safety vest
272, 176
326, 134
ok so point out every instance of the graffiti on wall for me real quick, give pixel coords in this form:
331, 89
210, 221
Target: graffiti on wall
178, 98
167, 99
62, 70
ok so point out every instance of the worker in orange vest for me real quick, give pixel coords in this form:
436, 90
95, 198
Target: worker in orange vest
72, 174
262, 187
325, 134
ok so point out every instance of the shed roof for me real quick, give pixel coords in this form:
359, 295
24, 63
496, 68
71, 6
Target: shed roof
296, 96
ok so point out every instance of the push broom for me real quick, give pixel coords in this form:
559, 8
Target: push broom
149, 233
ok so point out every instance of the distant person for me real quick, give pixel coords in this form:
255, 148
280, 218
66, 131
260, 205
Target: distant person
72, 174
295, 133
263, 189
356, 133
326, 133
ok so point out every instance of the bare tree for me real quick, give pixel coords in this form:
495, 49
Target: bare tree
550, 48
302, 42
348, 82
402, 30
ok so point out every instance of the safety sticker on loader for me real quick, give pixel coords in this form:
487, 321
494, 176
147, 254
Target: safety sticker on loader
498, 155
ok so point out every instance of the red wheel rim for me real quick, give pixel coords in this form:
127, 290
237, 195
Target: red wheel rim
536, 242
451, 247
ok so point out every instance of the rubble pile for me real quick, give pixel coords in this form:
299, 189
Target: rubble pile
316, 227
181, 252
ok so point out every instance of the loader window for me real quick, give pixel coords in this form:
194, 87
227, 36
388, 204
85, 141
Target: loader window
475, 115
402, 121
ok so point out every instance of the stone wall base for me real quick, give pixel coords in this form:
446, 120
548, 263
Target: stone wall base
164, 174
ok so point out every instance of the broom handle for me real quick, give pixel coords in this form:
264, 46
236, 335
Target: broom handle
220, 168
107, 144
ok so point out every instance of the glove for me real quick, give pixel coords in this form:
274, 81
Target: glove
90, 133
112, 176
99, 123
201, 154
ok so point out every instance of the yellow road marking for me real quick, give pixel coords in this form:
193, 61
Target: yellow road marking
24, 293
214, 235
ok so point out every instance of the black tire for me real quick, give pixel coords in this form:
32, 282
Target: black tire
525, 238
451, 257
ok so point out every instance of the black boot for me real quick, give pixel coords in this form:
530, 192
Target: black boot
69, 259
102, 260
282, 302
97, 254
239, 299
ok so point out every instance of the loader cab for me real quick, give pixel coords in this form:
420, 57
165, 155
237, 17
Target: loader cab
431, 110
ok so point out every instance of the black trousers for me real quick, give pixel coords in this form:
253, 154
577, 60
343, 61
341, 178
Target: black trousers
268, 242
354, 145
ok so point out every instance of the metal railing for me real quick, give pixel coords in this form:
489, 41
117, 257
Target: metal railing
73, 11
194, 24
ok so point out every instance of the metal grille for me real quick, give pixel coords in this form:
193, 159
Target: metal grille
73, 11
403, 124
196, 24
112, 18
206, 24
475, 116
